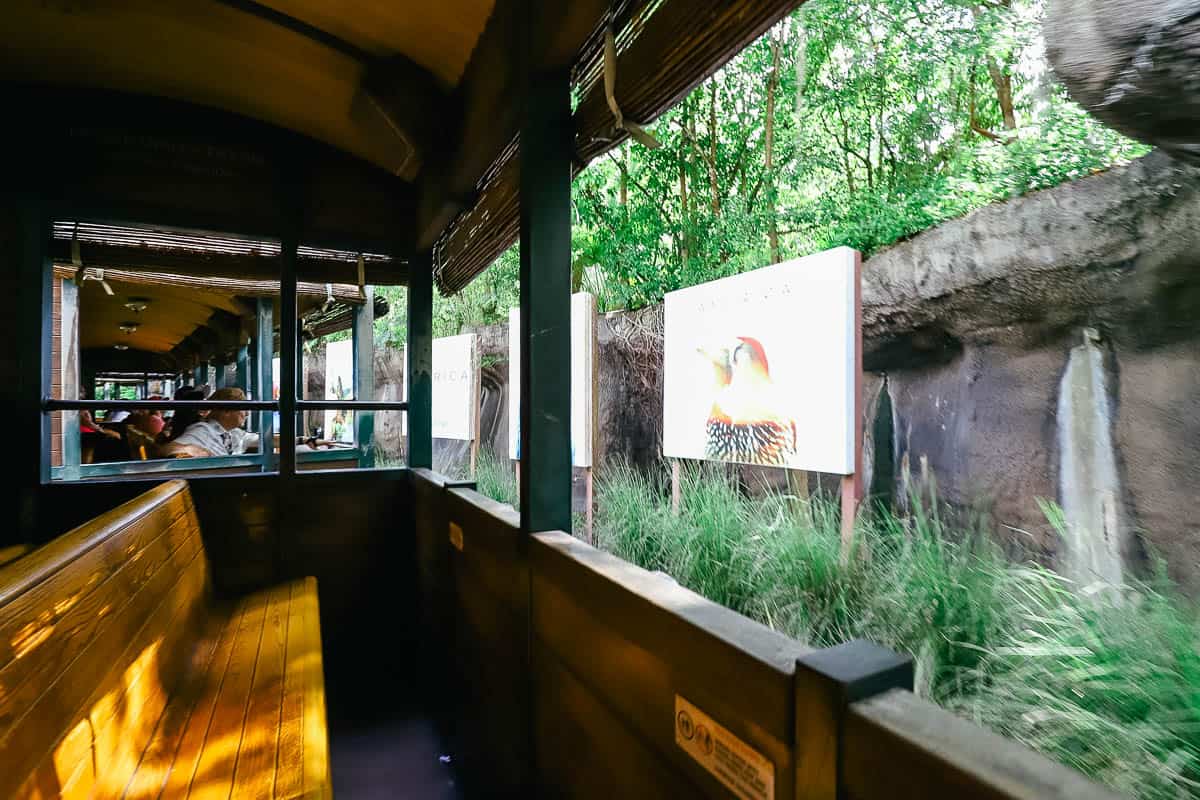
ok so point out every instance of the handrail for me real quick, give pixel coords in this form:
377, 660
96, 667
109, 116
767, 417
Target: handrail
157, 465
351, 405
52, 404
942, 755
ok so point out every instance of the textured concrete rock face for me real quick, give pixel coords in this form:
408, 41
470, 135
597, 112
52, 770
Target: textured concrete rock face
982, 428
1134, 64
973, 321
1118, 251
1158, 440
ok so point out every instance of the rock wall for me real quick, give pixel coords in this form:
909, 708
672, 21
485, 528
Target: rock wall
1132, 63
968, 329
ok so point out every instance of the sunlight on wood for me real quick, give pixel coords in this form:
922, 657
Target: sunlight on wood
120, 681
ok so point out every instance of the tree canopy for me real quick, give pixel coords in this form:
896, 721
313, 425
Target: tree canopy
851, 122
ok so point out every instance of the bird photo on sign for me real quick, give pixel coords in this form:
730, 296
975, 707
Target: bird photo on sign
758, 367
749, 420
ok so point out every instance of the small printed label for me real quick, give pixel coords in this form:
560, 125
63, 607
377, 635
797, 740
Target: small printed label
743, 770
456, 538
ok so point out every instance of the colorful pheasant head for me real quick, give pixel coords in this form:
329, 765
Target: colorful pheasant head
746, 422
749, 361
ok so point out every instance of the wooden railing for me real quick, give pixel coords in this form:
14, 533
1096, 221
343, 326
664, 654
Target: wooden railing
564, 671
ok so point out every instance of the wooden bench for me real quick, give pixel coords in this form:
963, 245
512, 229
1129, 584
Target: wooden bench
120, 676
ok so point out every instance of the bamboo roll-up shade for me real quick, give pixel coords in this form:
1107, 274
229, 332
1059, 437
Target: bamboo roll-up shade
207, 255
236, 287
664, 48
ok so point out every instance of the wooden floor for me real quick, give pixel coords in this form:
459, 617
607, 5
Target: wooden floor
251, 722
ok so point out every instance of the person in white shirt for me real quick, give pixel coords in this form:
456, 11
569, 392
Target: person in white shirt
218, 434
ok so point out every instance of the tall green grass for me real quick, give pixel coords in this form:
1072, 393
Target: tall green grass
496, 478
1104, 681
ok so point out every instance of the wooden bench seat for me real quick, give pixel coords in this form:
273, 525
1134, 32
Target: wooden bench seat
120, 677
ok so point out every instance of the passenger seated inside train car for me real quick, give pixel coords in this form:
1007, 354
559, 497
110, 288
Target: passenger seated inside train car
220, 433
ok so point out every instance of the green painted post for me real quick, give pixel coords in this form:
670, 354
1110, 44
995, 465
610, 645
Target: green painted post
545, 199
36, 293
363, 336
199, 374
420, 360
243, 368
72, 446
264, 352
289, 351
220, 382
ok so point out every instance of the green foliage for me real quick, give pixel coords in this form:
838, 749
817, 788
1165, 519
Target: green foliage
1105, 683
888, 117
485, 301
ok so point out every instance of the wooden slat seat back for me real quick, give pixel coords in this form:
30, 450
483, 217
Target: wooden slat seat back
95, 631
120, 678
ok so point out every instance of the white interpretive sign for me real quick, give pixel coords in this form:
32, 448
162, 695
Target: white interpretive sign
455, 392
339, 385
744, 771
455, 386
583, 355
760, 368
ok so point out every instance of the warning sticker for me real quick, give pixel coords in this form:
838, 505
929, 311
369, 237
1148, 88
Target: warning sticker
456, 536
744, 770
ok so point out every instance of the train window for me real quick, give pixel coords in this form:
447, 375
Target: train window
166, 356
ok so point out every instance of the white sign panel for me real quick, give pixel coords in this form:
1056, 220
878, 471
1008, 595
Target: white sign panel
455, 387
759, 367
339, 385
583, 354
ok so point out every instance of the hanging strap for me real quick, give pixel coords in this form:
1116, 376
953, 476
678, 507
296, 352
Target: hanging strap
83, 273
610, 87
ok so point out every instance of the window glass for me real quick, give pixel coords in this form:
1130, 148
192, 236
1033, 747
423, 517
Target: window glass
153, 314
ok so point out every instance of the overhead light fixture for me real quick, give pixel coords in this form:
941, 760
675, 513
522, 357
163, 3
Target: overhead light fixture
129, 327
137, 304
120, 347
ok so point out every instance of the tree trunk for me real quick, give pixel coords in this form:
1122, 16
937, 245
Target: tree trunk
801, 66
769, 156
714, 184
846, 156
623, 198
1003, 83
684, 216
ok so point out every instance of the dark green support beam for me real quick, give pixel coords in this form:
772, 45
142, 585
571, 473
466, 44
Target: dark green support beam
261, 378
363, 338
289, 375
545, 198
420, 360
243, 368
32, 379
72, 444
